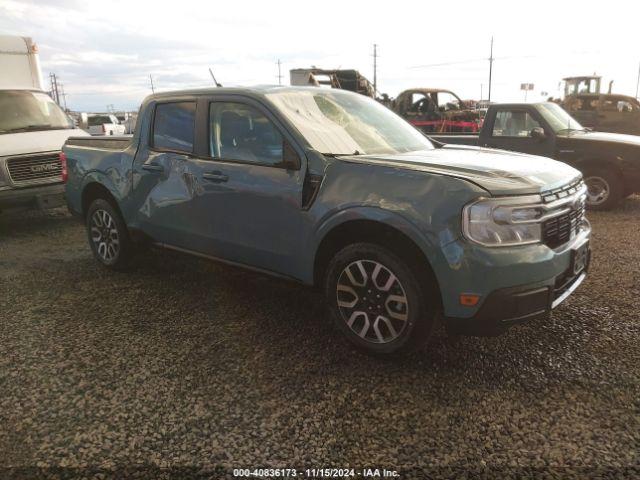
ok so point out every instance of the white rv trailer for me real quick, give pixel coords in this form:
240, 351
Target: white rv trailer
33, 129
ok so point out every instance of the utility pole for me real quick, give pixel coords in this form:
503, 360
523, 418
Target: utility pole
54, 88
151, 79
375, 68
64, 96
638, 82
481, 85
490, 70
279, 63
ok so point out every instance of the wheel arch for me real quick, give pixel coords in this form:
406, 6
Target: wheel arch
403, 242
94, 190
601, 163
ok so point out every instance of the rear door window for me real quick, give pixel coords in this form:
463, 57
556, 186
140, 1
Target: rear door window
174, 126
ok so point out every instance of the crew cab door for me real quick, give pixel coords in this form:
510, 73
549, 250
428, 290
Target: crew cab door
163, 184
250, 180
512, 128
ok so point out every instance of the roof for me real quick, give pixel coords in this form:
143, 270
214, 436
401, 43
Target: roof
258, 89
14, 44
582, 77
520, 104
428, 90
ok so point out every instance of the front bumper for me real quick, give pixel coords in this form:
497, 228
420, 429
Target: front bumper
512, 306
38, 197
506, 306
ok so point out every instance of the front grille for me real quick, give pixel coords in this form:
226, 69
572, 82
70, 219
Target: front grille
559, 230
29, 169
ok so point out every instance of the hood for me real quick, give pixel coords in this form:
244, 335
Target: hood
497, 171
22, 143
633, 140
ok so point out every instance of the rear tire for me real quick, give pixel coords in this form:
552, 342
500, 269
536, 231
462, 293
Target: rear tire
604, 188
108, 235
378, 301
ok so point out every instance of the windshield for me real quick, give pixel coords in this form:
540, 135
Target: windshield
23, 110
336, 122
558, 118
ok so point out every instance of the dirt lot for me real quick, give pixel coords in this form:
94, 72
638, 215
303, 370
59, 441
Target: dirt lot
197, 368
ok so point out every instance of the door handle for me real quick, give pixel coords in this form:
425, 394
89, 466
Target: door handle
215, 176
152, 167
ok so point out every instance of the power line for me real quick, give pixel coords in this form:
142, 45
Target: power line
473, 60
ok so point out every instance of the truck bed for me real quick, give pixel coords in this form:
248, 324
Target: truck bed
106, 143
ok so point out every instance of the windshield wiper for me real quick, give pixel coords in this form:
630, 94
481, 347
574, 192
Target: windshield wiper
569, 130
33, 128
342, 154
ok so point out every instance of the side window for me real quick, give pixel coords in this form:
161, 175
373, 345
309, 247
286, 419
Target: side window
514, 123
421, 104
173, 126
587, 104
447, 102
624, 106
241, 132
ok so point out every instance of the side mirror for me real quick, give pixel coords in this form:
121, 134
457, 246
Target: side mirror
538, 133
290, 158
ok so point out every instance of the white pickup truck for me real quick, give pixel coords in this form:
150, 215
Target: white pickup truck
32, 130
104, 124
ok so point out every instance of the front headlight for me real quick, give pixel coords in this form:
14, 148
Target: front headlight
501, 222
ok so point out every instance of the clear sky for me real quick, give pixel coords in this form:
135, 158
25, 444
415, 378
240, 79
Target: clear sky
104, 51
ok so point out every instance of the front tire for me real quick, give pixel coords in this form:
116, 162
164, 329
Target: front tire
380, 303
604, 188
108, 236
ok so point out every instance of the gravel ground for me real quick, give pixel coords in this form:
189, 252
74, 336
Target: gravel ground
186, 368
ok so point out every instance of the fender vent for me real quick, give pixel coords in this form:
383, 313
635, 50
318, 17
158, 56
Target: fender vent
310, 189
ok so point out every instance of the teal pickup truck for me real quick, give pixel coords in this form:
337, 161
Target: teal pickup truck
331, 189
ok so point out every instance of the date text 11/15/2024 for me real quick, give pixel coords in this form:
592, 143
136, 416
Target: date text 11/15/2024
314, 473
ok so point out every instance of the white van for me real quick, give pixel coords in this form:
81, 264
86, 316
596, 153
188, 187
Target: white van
33, 129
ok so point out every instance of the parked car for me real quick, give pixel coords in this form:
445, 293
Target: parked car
609, 162
330, 188
128, 121
436, 110
32, 130
104, 124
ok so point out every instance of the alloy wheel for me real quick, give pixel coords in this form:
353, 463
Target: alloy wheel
372, 301
104, 235
597, 190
